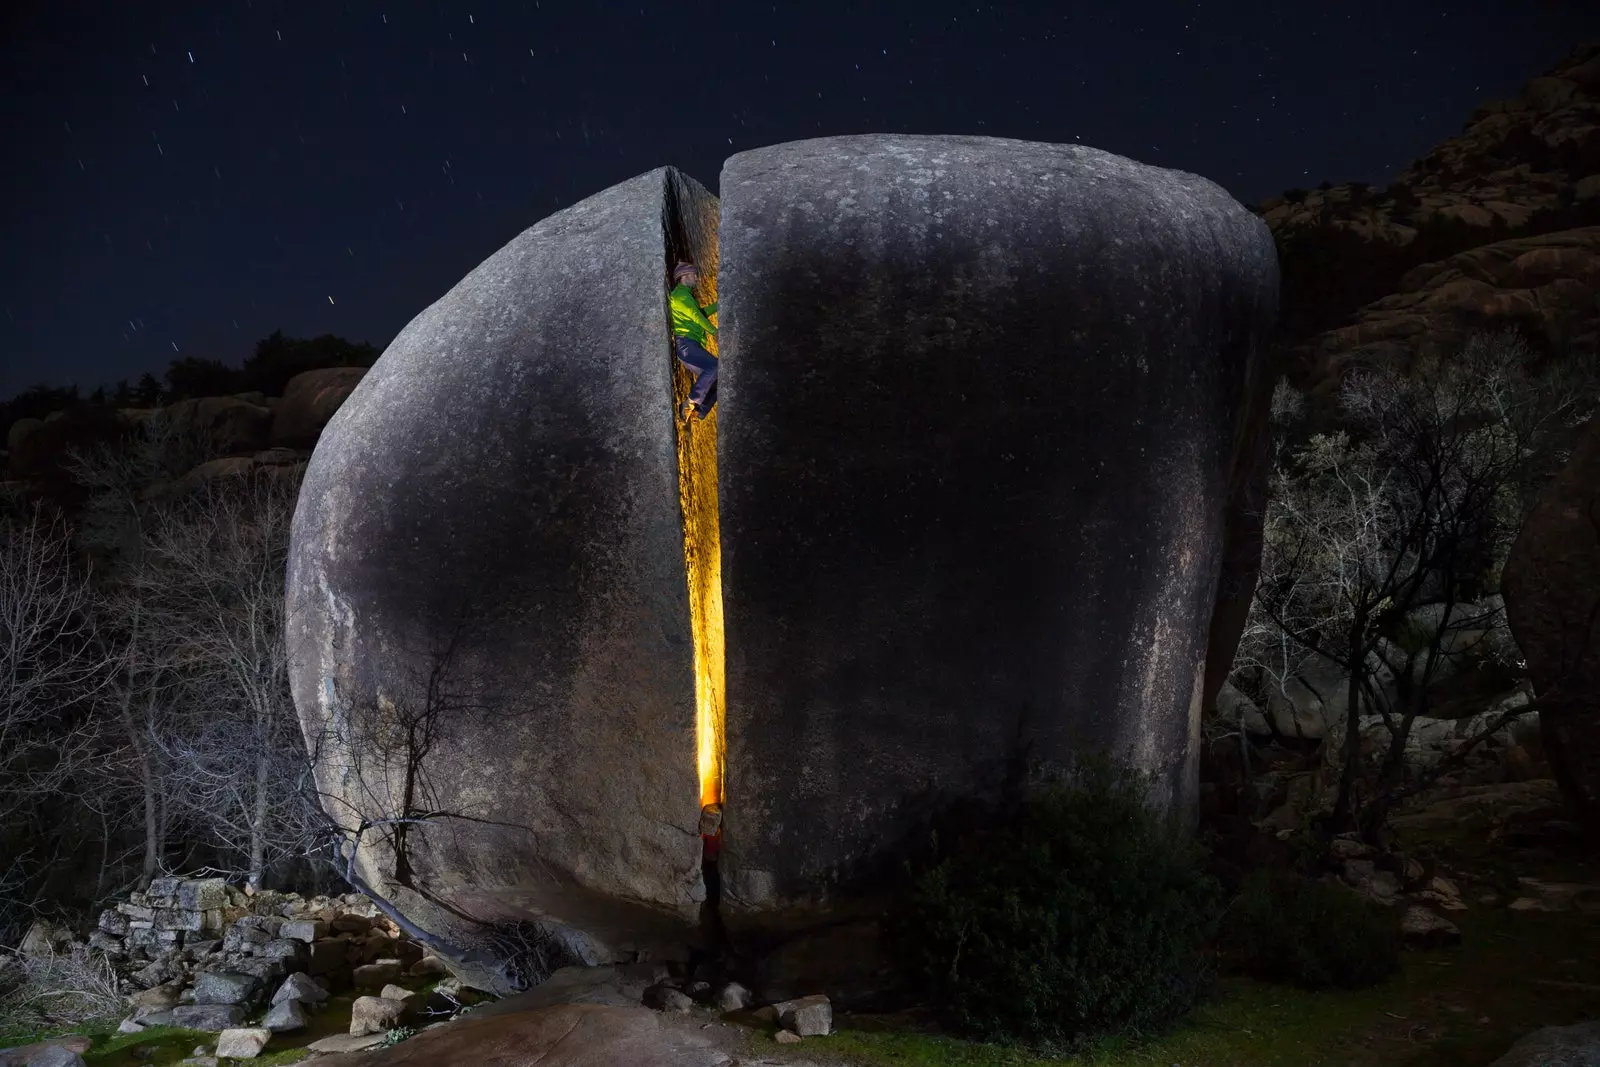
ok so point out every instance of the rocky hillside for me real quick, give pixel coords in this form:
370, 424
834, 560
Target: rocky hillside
1498, 225
245, 431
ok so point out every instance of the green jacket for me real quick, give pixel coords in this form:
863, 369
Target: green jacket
688, 318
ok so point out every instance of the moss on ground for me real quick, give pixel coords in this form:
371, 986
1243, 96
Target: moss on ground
1461, 1007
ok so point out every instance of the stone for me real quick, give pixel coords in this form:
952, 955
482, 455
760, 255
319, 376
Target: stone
309, 401
340, 1043
1421, 928
21, 1055
55, 1056
300, 987
786, 1037
207, 1016
203, 894
291, 952
822, 488
351, 924
1551, 585
163, 892
578, 504
225, 987
375, 975
285, 1016
242, 1044
1556, 1046
374, 1015
307, 930
663, 997
733, 997
807, 1016
428, 967
113, 922
130, 1026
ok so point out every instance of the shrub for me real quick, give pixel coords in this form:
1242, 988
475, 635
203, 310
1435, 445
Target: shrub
1076, 914
1287, 928
57, 991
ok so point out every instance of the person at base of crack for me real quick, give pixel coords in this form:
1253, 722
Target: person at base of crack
690, 328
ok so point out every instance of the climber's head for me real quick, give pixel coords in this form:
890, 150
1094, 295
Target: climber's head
686, 273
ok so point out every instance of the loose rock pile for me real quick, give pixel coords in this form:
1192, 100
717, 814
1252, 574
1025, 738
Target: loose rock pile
203, 955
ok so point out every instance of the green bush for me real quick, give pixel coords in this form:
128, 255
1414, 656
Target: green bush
1076, 914
1299, 931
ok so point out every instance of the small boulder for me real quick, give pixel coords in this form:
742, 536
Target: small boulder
786, 1037
55, 1056
374, 1015
1556, 1046
733, 997
351, 924
663, 997
301, 987
428, 967
225, 987
1421, 928
207, 1016
284, 1016
128, 1026
307, 930
242, 1044
338, 1043
807, 1016
376, 975
397, 992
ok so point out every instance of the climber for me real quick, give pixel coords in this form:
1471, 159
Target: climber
690, 328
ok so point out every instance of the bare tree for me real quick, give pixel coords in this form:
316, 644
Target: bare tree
215, 594
50, 666
132, 777
1408, 511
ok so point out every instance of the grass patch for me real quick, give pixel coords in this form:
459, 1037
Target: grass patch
1514, 973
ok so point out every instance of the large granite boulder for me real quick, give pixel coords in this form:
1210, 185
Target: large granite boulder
980, 407
488, 540
984, 403
1552, 594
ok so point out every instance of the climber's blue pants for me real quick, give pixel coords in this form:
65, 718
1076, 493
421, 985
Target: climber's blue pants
703, 365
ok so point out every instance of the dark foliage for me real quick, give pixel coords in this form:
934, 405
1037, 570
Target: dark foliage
278, 358
190, 377
1284, 927
1077, 913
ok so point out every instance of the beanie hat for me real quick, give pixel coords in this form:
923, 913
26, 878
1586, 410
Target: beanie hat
681, 269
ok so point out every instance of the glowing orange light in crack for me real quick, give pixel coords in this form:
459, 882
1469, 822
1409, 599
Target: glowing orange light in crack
702, 554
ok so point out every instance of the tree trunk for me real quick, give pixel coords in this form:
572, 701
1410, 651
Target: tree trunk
258, 817
1341, 819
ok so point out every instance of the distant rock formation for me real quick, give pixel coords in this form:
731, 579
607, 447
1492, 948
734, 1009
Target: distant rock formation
981, 401
1521, 168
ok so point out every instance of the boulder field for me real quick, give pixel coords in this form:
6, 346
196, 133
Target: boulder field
983, 407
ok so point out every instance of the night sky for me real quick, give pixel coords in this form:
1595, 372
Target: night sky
185, 178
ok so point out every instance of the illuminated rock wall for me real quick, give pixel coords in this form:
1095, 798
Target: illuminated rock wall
978, 411
505, 479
